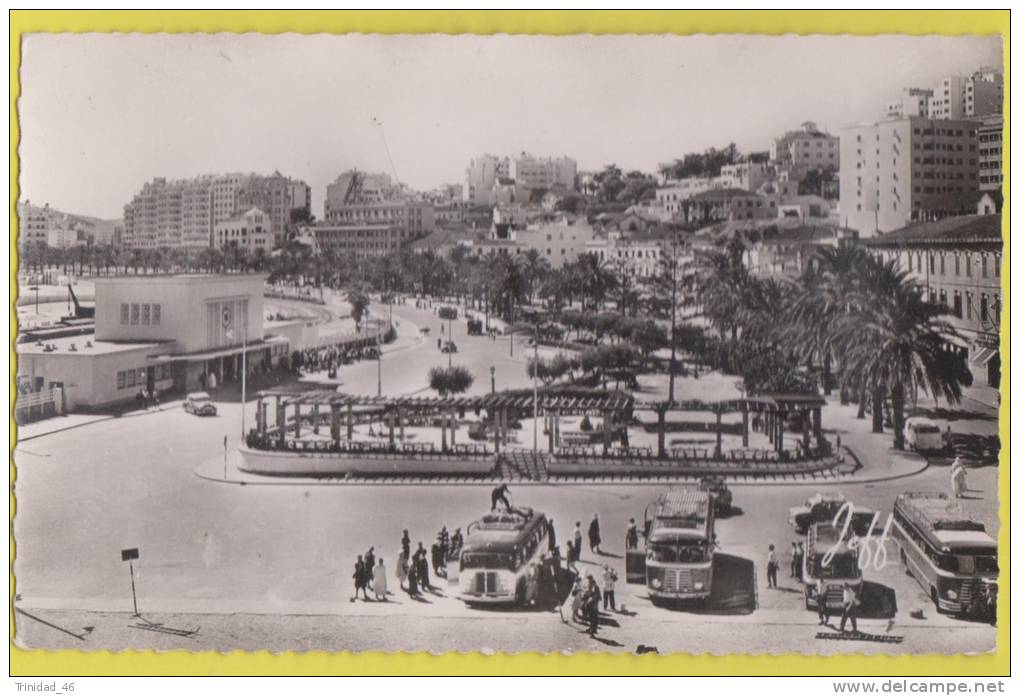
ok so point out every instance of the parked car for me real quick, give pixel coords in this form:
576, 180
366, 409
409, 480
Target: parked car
822, 507
200, 404
722, 496
923, 434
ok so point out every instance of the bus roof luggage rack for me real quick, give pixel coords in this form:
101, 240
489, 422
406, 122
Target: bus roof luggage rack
937, 512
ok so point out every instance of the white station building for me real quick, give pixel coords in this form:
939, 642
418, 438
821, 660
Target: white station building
172, 332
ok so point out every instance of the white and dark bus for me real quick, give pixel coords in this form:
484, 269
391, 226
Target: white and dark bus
949, 553
497, 551
679, 546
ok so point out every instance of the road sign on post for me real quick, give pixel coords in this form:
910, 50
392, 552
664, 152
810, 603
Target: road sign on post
130, 555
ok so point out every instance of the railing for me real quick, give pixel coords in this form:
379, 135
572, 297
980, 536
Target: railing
38, 405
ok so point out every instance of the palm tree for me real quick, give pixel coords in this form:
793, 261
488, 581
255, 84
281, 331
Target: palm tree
822, 298
596, 280
536, 270
897, 343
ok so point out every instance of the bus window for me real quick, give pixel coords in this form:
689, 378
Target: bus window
843, 565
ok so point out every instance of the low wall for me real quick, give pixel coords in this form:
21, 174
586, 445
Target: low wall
282, 463
606, 466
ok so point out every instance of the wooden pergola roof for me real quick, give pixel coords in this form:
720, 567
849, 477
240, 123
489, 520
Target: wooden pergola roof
608, 401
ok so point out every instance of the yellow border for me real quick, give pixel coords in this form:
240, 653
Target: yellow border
70, 662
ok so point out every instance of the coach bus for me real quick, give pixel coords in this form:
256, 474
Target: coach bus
497, 551
842, 568
679, 545
949, 553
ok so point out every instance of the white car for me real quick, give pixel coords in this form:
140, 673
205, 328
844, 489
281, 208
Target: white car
923, 434
199, 403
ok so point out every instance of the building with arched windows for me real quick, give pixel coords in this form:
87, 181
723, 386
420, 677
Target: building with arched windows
958, 263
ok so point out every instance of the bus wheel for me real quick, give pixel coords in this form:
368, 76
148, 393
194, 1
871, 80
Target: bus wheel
935, 598
903, 560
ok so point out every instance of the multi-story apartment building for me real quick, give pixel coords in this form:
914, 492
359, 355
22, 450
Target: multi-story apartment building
638, 255
481, 176
958, 262
743, 175
185, 212
888, 168
530, 173
947, 101
300, 195
410, 218
354, 186
954, 97
990, 152
913, 102
807, 148
726, 205
982, 93
250, 231
357, 240
672, 195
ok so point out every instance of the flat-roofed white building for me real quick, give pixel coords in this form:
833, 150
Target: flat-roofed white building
172, 332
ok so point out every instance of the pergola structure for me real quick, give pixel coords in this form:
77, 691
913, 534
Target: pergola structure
315, 408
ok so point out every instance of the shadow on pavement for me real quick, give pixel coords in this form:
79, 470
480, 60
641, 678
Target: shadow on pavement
733, 590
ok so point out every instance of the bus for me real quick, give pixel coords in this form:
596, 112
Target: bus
843, 567
679, 545
497, 551
949, 553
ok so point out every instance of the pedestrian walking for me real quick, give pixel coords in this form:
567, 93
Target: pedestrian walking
793, 561
499, 495
571, 557
401, 570
576, 598
379, 581
595, 535
958, 478
369, 566
551, 533
632, 535
531, 585
850, 604
578, 537
405, 544
590, 603
359, 579
822, 590
423, 567
801, 553
771, 567
609, 578
412, 579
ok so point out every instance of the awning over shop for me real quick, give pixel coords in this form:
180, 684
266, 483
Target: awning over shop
220, 352
984, 355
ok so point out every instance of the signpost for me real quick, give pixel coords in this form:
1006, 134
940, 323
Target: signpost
131, 555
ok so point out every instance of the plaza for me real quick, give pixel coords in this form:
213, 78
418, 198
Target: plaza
268, 563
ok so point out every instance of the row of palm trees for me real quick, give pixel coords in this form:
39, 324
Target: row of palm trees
847, 310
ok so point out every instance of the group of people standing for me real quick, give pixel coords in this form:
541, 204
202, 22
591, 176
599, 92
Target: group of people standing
369, 575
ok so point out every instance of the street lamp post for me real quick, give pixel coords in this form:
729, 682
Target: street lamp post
534, 383
449, 339
492, 375
378, 358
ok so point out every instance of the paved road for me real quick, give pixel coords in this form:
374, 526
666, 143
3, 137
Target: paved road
270, 566
208, 547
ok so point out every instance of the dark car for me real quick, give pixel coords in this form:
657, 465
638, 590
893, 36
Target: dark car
721, 494
822, 507
200, 404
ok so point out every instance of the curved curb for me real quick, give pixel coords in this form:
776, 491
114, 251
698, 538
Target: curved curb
215, 464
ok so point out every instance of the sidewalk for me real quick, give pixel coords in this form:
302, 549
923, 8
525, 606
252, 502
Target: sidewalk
69, 421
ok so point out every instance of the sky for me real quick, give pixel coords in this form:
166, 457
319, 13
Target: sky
102, 114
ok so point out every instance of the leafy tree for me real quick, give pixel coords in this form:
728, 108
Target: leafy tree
450, 380
359, 306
